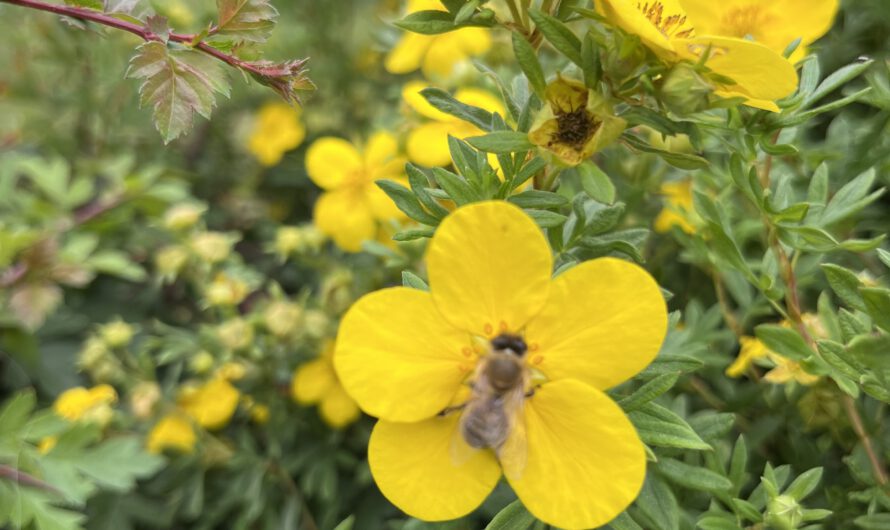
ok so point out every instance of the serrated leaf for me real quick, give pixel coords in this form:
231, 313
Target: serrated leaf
246, 20
177, 84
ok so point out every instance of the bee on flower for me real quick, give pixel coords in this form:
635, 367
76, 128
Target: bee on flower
501, 370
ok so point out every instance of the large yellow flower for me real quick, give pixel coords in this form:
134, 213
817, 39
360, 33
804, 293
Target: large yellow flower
316, 383
277, 130
774, 23
407, 356
436, 55
427, 143
759, 74
352, 206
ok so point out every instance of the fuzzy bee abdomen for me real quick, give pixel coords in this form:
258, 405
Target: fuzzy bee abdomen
485, 426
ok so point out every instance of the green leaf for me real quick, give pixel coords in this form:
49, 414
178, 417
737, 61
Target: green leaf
89, 4
878, 521
546, 219
406, 202
884, 256
538, 199
409, 279
15, 412
118, 462
603, 219
804, 484
717, 522
528, 61
558, 35
784, 341
445, 102
246, 20
595, 183
680, 160
412, 234
845, 284
502, 142
346, 524
877, 305
457, 188
692, 477
513, 517
850, 199
837, 79
117, 264
428, 22
649, 391
658, 426
177, 84
419, 183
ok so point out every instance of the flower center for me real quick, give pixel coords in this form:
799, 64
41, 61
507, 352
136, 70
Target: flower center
575, 128
744, 22
671, 25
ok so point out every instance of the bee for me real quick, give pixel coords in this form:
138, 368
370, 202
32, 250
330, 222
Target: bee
492, 417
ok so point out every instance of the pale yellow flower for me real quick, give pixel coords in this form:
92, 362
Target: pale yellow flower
436, 55
276, 131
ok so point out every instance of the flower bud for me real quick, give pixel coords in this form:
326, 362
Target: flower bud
116, 334
316, 323
684, 91
143, 399
183, 216
212, 247
94, 350
226, 291
170, 260
235, 333
784, 513
282, 318
201, 362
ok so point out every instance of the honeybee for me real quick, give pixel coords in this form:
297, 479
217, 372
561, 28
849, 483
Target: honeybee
492, 417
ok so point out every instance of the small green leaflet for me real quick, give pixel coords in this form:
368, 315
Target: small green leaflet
246, 20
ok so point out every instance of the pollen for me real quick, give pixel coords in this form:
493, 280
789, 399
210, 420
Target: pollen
537, 359
467, 351
670, 25
502, 326
489, 329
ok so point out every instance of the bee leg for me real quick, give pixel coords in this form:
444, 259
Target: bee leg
530, 393
448, 410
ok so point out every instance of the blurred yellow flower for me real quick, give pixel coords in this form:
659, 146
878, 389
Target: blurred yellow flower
212, 404
297, 240
409, 357
282, 318
232, 371
259, 413
352, 205
86, 404
436, 55
784, 369
169, 260
276, 131
315, 382
427, 143
183, 216
117, 333
143, 398
212, 247
758, 74
678, 210
774, 23
750, 349
226, 290
235, 333
174, 432
575, 124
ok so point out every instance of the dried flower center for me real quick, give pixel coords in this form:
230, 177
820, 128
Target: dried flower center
575, 128
671, 25
745, 21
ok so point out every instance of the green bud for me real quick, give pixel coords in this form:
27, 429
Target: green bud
784, 513
684, 91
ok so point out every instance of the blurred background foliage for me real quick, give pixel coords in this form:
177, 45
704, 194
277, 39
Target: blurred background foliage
189, 278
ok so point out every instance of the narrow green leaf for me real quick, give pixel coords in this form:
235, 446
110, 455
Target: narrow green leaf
649, 391
658, 426
528, 61
845, 284
445, 102
692, 477
406, 202
538, 199
513, 517
804, 484
558, 35
502, 142
877, 304
784, 341
409, 279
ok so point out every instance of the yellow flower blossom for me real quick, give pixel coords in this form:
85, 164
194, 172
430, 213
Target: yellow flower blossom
316, 383
352, 205
407, 356
212, 404
174, 432
784, 369
183, 216
758, 74
436, 55
575, 124
170, 260
678, 210
226, 290
276, 131
427, 143
774, 23
86, 404
750, 349
117, 333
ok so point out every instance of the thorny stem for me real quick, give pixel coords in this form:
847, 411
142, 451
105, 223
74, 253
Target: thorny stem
792, 301
141, 31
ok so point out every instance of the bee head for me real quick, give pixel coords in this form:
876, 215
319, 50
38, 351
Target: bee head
509, 343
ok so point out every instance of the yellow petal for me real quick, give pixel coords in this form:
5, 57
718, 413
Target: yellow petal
329, 161
345, 217
427, 144
398, 358
382, 207
413, 466
473, 41
759, 72
338, 409
408, 53
750, 349
412, 96
480, 98
172, 432
626, 15
312, 381
442, 56
605, 321
380, 149
586, 463
489, 268
211, 405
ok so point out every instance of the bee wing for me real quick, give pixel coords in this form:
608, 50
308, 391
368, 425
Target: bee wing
513, 454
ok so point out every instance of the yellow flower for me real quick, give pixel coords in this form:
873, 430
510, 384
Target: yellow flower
407, 356
212, 404
226, 290
316, 382
787, 370
575, 124
436, 55
758, 74
352, 205
174, 432
784, 369
678, 209
427, 144
116, 334
276, 131
774, 23
231, 371
183, 216
750, 349
86, 404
